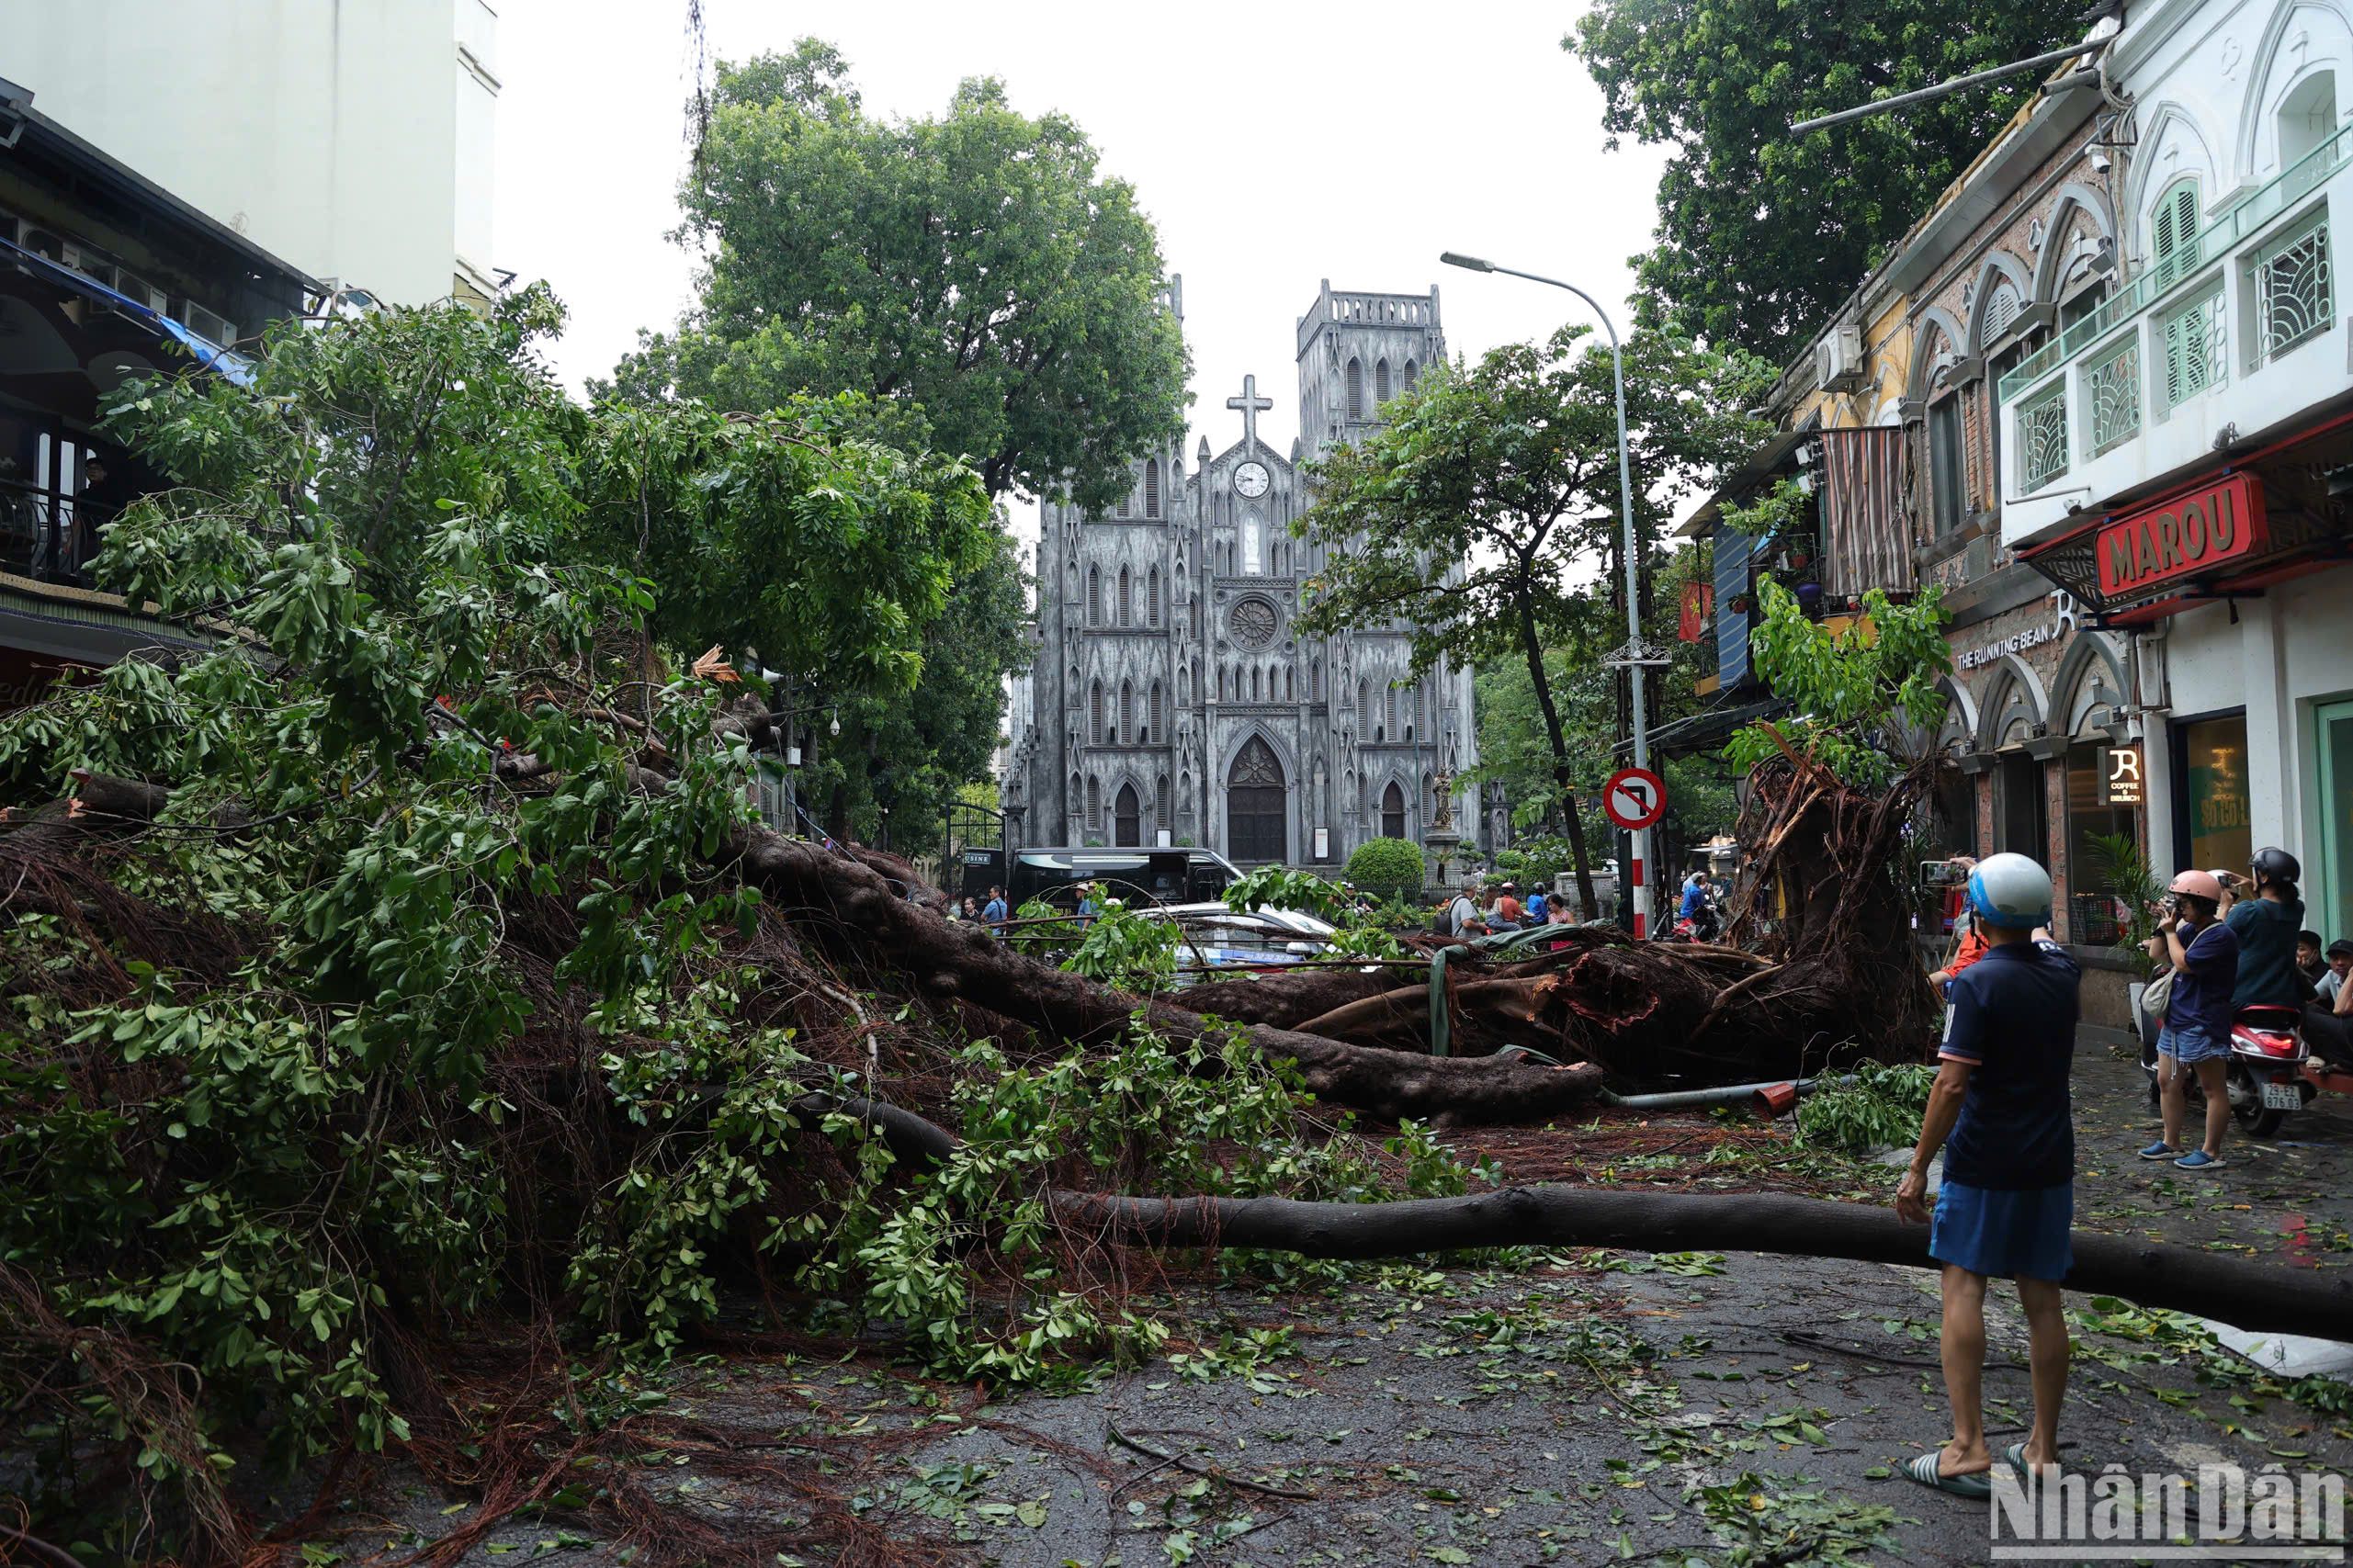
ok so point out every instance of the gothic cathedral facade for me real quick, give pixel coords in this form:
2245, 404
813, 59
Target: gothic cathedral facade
1173, 700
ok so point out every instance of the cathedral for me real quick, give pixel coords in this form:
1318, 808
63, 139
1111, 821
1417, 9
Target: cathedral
1173, 700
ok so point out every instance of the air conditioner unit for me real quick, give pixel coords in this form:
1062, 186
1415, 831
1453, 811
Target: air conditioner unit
209, 325
1837, 359
140, 291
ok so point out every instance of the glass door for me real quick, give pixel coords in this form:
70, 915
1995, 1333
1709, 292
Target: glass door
2216, 822
2331, 905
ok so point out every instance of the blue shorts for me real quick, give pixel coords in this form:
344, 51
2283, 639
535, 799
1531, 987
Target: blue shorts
2191, 1043
2022, 1234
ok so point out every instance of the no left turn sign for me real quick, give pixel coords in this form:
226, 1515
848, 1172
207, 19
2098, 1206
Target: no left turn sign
1634, 799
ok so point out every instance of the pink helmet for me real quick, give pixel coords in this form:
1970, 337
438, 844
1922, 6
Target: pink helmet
2197, 885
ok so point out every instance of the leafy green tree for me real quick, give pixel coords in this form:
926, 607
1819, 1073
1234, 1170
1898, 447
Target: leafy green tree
976, 265
900, 759
1477, 512
1761, 232
790, 534
985, 293
1866, 696
1385, 865
414, 791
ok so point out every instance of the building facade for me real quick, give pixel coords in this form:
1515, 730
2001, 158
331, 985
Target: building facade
2178, 459
1173, 699
104, 276
2127, 423
1904, 477
352, 138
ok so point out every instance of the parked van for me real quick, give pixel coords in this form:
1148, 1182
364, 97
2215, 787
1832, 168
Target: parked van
1135, 877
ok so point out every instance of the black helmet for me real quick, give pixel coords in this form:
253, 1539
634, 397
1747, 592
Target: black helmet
2276, 865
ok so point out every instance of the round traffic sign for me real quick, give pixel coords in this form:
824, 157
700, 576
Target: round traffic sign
1634, 799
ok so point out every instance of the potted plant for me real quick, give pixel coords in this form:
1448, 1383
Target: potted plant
1741, 603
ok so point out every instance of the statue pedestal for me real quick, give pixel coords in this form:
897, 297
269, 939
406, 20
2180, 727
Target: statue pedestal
1438, 845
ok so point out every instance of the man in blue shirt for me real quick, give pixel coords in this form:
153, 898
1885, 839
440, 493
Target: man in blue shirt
994, 911
1539, 911
2204, 952
1999, 1111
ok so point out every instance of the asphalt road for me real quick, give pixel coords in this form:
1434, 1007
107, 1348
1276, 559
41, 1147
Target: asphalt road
1579, 1408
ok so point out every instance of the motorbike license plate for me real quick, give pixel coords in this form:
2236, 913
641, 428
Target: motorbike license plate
2281, 1097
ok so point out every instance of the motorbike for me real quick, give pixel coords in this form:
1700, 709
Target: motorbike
2265, 1077
1703, 927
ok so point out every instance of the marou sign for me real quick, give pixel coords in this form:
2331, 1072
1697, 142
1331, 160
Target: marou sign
2187, 536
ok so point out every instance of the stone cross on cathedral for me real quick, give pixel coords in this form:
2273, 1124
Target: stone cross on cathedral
1251, 405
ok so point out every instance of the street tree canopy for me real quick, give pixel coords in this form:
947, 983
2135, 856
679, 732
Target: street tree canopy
1761, 232
976, 268
1476, 512
1866, 695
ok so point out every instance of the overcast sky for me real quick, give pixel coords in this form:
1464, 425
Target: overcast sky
1274, 144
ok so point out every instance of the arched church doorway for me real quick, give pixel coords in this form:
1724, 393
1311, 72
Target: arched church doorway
1392, 812
1128, 817
1254, 805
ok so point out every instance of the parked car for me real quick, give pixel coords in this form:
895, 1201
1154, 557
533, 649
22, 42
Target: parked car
1261, 940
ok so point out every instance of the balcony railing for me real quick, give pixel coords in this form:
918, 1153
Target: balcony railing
2155, 283
50, 538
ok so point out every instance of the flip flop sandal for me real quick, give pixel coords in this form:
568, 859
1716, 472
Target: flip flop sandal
1924, 1471
2015, 1457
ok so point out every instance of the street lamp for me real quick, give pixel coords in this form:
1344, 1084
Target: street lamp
1636, 657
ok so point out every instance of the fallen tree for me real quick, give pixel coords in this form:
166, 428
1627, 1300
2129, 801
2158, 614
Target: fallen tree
2264, 1298
409, 970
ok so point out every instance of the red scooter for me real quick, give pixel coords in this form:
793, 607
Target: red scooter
2266, 1076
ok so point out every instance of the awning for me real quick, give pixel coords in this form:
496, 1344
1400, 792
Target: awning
224, 362
1710, 727
2225, 533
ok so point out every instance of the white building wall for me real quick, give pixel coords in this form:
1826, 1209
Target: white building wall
2253, 99
351, 136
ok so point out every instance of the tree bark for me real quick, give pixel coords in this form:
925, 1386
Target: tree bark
1534, 649
963, 962
1287, 999
2259, 1297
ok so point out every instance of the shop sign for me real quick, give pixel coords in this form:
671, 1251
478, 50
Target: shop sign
2062, 622
2122, 766
2192, 534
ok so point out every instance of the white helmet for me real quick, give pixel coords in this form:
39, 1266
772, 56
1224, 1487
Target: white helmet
2010, 891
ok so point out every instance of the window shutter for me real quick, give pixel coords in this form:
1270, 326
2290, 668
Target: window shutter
1972, 445
2176, 230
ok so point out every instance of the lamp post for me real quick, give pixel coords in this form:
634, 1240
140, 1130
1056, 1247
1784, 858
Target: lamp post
1635, 655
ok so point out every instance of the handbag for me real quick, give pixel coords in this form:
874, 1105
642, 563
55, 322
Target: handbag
2158, 994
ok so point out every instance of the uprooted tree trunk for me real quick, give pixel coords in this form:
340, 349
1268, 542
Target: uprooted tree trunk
1839, 982
858, 904
954, 962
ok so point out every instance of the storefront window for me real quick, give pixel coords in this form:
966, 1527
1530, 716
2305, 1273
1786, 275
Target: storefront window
2023, 819
2094, 916
2215, 825
2332, 906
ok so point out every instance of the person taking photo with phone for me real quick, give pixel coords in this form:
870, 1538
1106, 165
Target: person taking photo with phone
2204, 954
